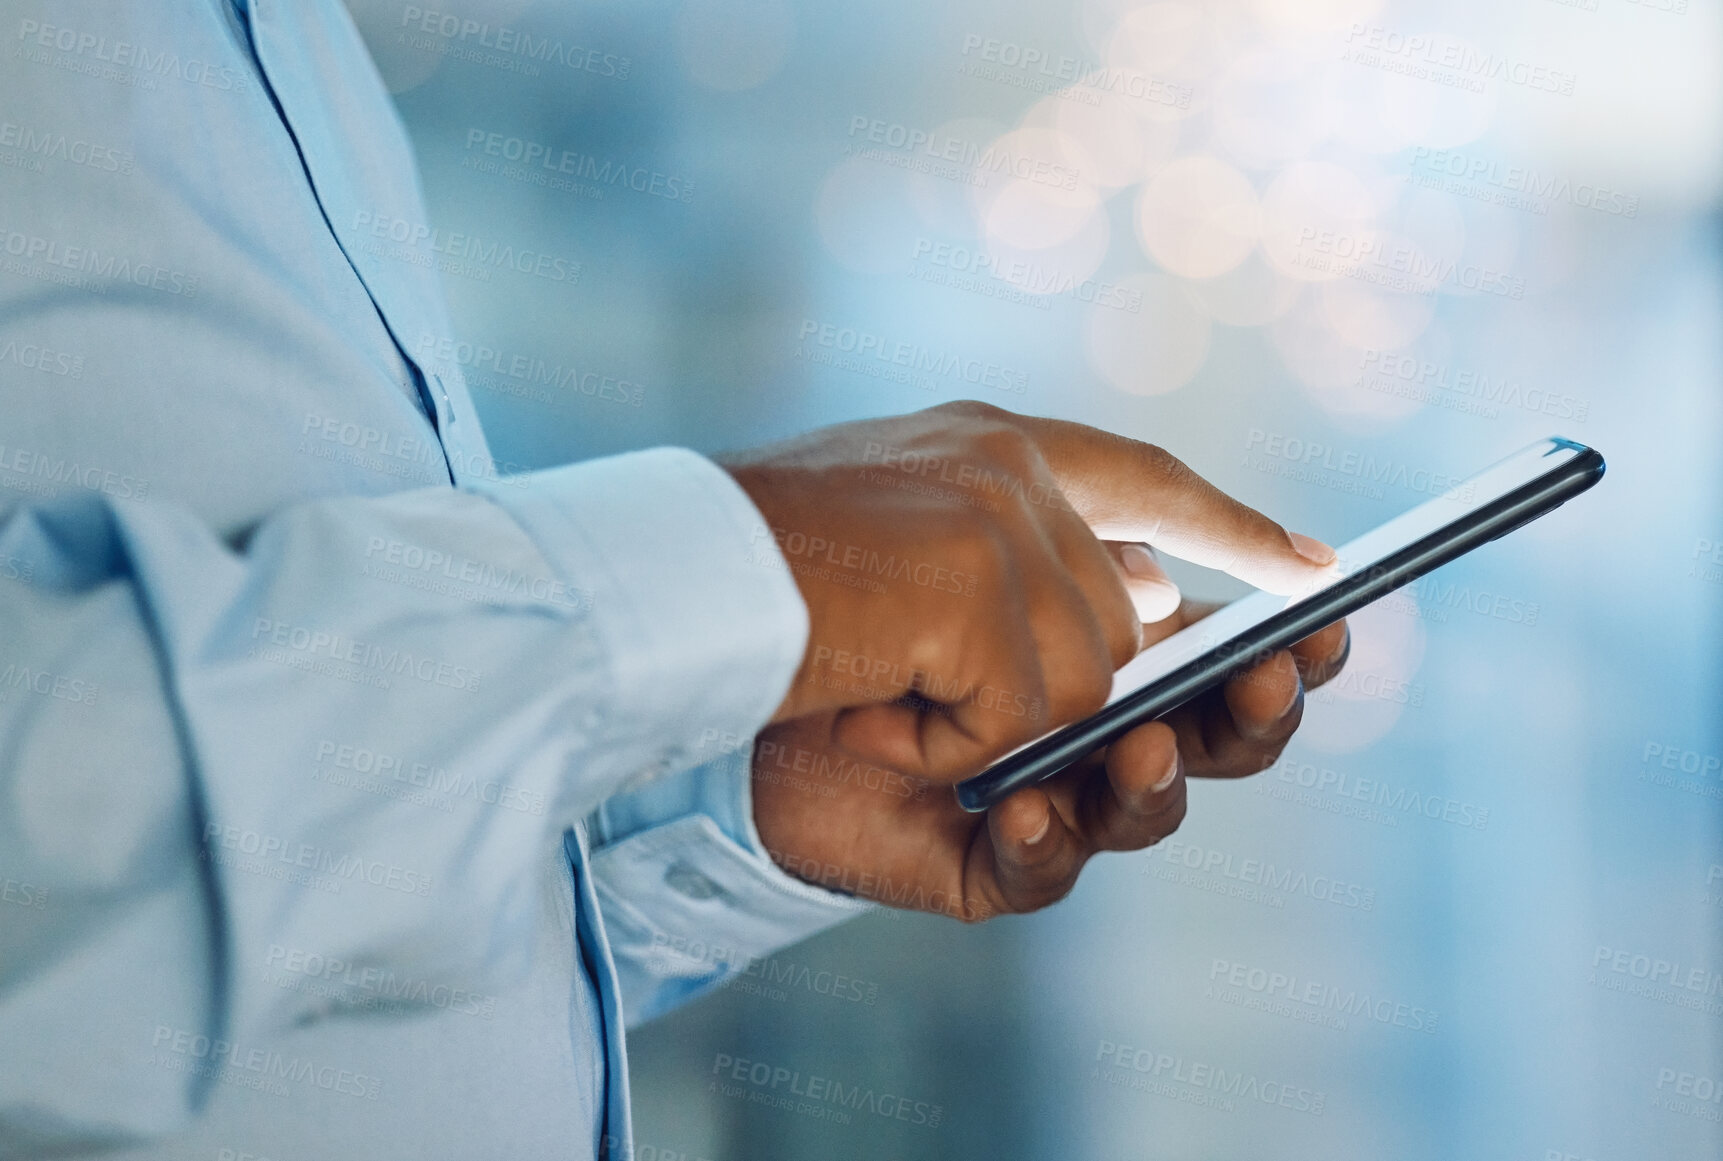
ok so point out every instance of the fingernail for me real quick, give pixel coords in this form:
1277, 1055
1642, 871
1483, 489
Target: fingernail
1170, 776
1140, 562
1040, 831
1310, 548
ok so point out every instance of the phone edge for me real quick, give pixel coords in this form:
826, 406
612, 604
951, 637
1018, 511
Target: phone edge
1047, 756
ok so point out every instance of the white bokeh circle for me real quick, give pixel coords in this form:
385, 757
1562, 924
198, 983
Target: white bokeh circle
1198, 217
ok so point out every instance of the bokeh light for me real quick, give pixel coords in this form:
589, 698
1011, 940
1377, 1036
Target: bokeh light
1316, 216
1198, 217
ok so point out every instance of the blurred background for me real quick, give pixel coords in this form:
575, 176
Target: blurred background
1331, 253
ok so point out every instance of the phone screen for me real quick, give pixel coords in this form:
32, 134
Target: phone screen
1368, 550
1491, 504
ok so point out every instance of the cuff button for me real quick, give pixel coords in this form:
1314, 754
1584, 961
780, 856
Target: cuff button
685, 880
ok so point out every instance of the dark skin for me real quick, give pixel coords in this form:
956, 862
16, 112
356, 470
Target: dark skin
1046, 526
911, 842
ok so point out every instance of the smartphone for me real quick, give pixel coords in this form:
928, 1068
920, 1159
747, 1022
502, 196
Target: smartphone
1169, 673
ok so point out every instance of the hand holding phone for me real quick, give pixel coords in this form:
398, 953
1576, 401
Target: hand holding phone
1493, 503
907, 687
958, 573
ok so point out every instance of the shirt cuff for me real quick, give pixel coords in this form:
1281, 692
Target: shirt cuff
697, 614
689, 895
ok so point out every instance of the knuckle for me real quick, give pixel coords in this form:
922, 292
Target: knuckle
1098, 688
1010, 446
1161, 463
979, 547
973, 409
1124, 631
1090, 688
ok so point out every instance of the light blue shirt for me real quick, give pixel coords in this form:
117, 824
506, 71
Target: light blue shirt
354, 791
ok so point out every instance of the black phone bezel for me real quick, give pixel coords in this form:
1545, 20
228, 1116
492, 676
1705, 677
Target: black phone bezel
1047, 756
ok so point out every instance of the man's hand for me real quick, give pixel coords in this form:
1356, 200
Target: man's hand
961, 598
840, 821
973, 578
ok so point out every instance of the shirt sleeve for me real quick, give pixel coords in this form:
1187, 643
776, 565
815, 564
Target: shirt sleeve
690, 896
333, 754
